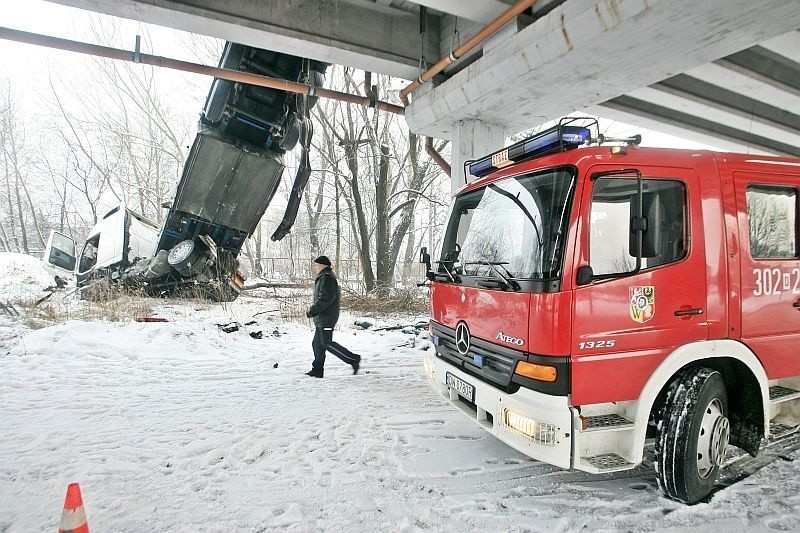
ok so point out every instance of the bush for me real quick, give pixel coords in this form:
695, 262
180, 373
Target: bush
412, 301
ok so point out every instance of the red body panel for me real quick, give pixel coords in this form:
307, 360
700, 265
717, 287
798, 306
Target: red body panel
770, 288
486, 312
551, 317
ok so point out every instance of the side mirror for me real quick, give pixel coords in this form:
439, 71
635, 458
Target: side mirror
651, 238
584, 276
425, 259
424, 256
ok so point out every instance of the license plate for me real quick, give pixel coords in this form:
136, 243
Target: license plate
463, 388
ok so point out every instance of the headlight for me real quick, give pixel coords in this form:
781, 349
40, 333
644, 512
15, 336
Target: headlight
540, 432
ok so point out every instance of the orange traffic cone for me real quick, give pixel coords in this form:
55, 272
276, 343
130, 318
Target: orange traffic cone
73, 519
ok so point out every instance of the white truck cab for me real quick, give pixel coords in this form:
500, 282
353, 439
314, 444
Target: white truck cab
119, 240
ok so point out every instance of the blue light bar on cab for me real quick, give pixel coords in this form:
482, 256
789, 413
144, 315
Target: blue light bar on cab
555, 139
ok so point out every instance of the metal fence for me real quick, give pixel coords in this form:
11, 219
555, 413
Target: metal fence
293, 270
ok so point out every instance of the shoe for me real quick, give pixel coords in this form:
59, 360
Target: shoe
356, 365
314, 373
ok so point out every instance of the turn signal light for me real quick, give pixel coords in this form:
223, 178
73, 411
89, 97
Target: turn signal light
534, 371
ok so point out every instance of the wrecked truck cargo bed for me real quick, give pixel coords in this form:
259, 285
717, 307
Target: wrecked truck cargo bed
230, 177
223, 192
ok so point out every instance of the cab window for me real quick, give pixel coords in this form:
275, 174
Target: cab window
772, 217
613, 208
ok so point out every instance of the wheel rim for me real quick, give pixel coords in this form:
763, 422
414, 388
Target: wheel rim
712, 442
182, 251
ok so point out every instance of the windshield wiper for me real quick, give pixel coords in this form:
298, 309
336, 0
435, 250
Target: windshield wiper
515, 198
494, 264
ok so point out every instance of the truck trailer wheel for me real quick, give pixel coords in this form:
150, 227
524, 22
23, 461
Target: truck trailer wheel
221, 90
693, 435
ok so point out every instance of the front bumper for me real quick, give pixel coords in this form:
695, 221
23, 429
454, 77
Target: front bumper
492, 409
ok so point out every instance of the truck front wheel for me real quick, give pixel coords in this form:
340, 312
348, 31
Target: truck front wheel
693, 435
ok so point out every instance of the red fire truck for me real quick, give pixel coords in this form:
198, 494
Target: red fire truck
591, 299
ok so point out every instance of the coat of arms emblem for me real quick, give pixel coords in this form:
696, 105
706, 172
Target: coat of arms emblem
643, 303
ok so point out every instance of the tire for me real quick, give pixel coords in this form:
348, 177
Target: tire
693, 435
221, 90
232, 56
217, 100
291, 134
183, 257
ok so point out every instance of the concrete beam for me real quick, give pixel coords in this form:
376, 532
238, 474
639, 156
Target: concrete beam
740, 104
367, 36
483, 11
594, 51
472, 139
661, 115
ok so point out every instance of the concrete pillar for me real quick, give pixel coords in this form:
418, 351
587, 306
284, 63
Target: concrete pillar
472, 139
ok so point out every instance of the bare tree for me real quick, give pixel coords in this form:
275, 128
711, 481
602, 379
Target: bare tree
16, 160
123, 142
137, 119
385, 177
104, 135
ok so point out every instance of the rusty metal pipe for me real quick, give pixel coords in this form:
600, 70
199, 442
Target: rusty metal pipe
436, 156
507, 16
176, 64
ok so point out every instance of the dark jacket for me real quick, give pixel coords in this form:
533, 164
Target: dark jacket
325, 309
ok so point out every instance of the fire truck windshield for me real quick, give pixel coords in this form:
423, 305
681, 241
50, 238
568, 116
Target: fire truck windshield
516, 226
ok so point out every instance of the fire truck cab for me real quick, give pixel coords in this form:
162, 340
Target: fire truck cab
590, 300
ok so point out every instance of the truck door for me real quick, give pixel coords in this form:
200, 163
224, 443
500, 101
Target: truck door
767, 206
628, 317
60, 251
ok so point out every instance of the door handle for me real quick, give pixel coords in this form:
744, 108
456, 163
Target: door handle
689, 312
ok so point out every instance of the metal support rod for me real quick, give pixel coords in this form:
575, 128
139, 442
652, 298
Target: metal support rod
368, 89
507, 16
175, 64
436, 156
225, 74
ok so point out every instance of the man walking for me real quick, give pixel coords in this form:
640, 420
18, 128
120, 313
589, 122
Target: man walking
325, 312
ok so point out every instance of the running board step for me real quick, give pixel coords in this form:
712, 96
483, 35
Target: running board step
778, 393
606, 423
778, 430
609, 462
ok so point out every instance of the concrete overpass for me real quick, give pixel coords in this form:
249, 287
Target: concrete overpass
723, 72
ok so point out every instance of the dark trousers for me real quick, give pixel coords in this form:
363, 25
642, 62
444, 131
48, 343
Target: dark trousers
323, 340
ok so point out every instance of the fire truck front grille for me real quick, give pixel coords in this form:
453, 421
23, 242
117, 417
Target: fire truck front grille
486, 360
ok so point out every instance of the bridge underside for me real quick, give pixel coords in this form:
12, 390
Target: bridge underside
722, 72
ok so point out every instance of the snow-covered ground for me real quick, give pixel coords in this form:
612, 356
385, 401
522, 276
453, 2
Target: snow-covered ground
179, 426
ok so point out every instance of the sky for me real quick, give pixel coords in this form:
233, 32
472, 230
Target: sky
178, 426
28, 66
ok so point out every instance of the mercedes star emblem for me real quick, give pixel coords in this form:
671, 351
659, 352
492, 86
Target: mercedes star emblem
462, 338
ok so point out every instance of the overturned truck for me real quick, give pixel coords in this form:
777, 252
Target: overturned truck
231, 175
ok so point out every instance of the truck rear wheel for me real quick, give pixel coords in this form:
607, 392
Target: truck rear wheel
221, 90
693, 435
